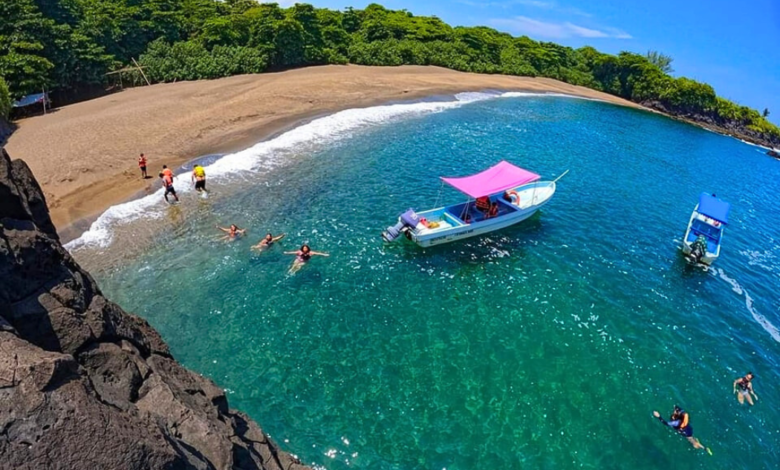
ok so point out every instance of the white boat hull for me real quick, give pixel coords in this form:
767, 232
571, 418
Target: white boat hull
533, 196
713, 248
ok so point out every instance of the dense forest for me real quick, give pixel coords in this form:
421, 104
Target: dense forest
68, 46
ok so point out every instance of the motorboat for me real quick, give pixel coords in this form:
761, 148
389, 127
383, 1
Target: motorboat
501, 196
704, 235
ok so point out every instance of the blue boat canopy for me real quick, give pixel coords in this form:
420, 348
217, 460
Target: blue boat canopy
714, 208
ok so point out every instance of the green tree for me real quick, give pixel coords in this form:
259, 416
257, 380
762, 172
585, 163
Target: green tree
662, 61
5, 99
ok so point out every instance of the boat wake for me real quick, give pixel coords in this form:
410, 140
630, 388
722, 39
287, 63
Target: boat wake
773, 331
272, 153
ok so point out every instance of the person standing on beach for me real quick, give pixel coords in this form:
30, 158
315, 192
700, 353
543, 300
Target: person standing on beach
745, 385
199, 178
142, 166
167, 182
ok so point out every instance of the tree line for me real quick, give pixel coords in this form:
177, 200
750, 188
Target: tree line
69, 46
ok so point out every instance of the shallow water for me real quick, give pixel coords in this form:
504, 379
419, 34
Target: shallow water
546, 345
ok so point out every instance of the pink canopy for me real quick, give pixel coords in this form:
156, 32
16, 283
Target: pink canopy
495, 179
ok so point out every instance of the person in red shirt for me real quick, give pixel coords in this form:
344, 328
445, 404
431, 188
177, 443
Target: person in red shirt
142, 166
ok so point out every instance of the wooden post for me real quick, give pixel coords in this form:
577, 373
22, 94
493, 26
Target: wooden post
141, 70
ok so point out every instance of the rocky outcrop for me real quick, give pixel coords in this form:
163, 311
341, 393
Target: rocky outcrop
84, 385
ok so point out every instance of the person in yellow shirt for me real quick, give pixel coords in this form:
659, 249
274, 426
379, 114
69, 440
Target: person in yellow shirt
199, 178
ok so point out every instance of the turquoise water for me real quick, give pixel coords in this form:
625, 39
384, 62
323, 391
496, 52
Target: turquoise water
546, 345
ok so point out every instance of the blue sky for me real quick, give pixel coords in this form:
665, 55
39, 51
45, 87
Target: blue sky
734, 46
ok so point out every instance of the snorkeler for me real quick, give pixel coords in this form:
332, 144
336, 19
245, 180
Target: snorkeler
745, 389
680, 422
232, 233
302, 256
267, 241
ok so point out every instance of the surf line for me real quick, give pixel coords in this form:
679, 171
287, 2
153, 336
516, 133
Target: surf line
773, 331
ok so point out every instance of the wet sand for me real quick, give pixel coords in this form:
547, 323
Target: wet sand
85, 155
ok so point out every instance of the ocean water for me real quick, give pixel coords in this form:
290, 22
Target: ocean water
546, 345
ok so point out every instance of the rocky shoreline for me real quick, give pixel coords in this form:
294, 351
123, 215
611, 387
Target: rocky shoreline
84, 384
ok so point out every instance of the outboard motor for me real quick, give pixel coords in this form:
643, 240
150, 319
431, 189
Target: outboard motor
698, 248
407, 221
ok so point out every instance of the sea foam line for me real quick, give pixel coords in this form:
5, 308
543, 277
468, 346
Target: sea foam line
773, 331
270, 154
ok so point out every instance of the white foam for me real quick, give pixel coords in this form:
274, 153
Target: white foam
760, 319
271, 153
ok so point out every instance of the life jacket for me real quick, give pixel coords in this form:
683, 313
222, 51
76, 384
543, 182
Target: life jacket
199, 172
167, 180
683, 417
168, 172
482, 203
142, 161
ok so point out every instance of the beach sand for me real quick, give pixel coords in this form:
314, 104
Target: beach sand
85, 155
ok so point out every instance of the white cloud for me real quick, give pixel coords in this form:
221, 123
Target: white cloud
544, 29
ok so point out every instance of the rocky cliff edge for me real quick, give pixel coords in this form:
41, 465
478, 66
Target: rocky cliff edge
85, 385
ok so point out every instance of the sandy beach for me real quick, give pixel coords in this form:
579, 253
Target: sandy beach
85, 155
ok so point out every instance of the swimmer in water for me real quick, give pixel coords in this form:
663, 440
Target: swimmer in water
232, 233
302, 256
680, 422
267, 241
745, 385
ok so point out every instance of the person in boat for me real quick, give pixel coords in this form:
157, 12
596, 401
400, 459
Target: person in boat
680, 422
493, 211
233, 232
482, 204
745, 385
199, 178
142, 166
302, 257
167, 182
267, 241
698, 248
467, 218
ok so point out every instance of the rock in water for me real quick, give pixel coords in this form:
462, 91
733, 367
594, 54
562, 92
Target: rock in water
84, 384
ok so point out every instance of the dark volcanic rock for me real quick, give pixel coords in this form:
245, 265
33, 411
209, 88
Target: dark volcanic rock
84, 384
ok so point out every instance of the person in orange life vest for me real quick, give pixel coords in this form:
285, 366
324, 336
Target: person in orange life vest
680, 422
493, 211
142, 166
167, 182
233, 232
167, 171
482, 204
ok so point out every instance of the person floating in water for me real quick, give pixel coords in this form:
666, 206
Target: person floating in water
167, 182
199, 178
745, 385
680, 422
233, 232
302, 256
267, 241
142, 166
